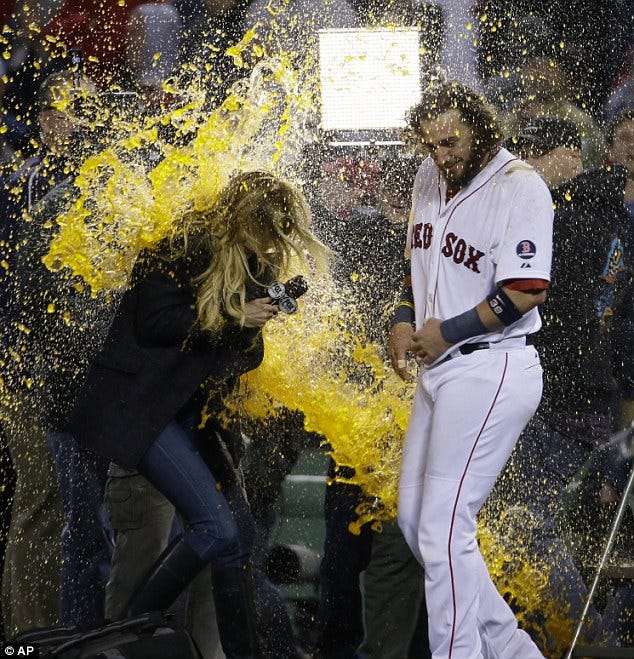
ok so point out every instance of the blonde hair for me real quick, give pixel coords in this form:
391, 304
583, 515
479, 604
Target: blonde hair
258, 215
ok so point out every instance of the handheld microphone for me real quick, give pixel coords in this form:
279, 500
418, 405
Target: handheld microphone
285, 295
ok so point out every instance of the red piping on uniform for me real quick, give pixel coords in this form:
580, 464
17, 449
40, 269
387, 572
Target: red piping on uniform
451, 215
455, 505
439, 207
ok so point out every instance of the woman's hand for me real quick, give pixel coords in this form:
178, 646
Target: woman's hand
259, 311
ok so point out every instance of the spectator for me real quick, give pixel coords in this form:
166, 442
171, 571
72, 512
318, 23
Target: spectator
209, 32
153, 44
367, 239
64, 326
590, 37
620, 136
622, 95
546, 90
575, 343
532, 38
271, 454
24, 71
620, 151
394, 611
30, 588
122, 30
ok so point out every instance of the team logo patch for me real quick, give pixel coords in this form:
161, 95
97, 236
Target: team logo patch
526, 249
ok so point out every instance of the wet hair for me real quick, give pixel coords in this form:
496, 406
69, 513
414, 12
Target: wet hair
474, 110
257, 214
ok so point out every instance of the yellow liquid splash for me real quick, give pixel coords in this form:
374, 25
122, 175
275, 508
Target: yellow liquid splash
316, 362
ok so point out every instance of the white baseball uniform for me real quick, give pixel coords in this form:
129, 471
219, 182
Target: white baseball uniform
469, 409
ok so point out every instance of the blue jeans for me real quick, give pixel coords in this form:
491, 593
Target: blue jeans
87, 542
218, 524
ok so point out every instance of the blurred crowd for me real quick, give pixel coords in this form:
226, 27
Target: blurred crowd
561, 75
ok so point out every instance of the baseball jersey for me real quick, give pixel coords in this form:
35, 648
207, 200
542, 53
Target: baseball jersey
498, 227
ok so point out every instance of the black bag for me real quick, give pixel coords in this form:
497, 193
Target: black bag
147, 636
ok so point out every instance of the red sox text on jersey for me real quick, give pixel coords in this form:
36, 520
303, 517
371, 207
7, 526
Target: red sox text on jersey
455, 247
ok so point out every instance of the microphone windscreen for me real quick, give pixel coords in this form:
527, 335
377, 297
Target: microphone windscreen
296, 286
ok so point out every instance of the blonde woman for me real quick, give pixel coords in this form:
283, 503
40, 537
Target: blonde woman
188, 326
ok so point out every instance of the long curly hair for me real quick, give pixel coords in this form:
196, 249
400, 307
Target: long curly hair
257, 218
474, 110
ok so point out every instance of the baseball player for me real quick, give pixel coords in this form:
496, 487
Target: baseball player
479, 243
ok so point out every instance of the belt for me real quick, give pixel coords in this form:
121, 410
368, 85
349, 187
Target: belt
468, 348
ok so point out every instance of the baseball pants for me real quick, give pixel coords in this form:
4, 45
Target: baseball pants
468, 414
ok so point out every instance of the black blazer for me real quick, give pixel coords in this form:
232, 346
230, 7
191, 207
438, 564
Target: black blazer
153, 361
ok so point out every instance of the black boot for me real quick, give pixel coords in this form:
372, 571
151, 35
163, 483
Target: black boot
235, 611
171, 573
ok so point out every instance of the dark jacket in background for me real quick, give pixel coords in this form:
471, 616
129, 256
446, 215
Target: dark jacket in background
58, 324
576, 342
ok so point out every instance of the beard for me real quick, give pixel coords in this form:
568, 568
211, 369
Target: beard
479, 156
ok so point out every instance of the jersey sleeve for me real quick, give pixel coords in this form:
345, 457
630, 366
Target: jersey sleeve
525, 249
525, 284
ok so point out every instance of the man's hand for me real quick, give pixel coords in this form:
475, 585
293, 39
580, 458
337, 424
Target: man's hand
257, 312
398, 344
427, 343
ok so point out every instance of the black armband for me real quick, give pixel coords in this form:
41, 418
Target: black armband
503, 307
462, 327
404, 310
403, 313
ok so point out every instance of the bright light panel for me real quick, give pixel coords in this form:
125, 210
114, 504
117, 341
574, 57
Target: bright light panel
369, 78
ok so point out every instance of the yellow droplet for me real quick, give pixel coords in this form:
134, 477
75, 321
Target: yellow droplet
51, 308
